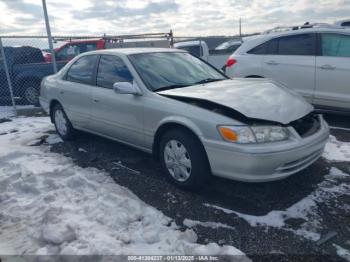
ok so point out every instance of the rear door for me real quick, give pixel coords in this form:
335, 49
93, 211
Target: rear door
74, 90
333, 71
116, 115
291, 61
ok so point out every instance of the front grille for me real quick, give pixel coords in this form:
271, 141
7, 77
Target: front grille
307, 126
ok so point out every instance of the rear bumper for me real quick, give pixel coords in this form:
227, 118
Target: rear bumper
265, 162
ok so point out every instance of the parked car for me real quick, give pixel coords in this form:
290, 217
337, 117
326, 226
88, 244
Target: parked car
188, 114
231, 45
314, 61
26, 67
72, 48
199, 48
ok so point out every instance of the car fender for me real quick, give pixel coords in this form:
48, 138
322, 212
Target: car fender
181, 120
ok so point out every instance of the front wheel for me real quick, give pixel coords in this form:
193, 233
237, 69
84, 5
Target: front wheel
62, 124
184, 160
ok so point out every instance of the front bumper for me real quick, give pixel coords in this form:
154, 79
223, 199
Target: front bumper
266, 162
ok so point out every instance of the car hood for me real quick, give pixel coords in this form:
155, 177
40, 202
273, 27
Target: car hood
254, 98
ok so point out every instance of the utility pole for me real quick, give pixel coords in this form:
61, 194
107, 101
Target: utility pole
240, 27
48, 30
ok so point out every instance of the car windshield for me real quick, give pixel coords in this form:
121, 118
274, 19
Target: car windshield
167, 70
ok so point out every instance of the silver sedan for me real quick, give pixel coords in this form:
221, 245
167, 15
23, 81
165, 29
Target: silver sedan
195, 120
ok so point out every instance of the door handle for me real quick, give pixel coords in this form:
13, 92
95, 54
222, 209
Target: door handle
272, 62
96, 100
61, 92
327, 67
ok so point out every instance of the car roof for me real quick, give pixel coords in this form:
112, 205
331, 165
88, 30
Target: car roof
136, 50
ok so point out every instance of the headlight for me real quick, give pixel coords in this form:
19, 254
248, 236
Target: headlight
266, 134
253, 134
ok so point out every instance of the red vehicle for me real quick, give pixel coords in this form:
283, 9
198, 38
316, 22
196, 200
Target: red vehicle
70, 49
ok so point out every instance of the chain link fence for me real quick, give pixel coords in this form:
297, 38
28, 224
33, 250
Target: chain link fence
26, 60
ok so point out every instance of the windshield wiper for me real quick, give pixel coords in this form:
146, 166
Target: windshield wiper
169, 87
208, 80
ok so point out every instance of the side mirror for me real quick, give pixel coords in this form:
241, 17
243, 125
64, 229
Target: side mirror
126, 88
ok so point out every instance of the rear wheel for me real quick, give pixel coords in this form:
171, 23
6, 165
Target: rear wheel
62, 124
184, 160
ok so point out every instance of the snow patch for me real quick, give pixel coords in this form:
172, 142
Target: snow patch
342, 252
6, 112
337, 150
192, 223
305, 209
49, 205
53, 139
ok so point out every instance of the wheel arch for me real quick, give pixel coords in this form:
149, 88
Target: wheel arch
174, 124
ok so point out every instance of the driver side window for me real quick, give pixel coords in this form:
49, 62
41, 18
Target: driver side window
112, 69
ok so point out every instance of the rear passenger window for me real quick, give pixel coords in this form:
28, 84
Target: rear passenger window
303, 44
267, 48
82, 70
335, 45
259, 50
111, 70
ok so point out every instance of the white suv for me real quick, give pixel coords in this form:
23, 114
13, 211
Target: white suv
313, 61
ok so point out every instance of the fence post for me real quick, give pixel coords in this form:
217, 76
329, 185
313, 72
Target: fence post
48, 30
8, 76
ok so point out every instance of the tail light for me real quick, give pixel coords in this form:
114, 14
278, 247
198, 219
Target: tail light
230, 62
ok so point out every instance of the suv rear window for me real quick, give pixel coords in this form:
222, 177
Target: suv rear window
267, 48
302, 44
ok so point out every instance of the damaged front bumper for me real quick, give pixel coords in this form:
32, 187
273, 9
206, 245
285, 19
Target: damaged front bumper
267, 161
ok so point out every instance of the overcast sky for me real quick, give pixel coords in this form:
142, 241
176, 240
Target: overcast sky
185, 17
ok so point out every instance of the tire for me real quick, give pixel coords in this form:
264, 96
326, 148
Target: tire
187, 169
63, 126
31, 92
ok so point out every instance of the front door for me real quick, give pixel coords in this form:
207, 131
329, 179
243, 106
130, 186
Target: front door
116, 115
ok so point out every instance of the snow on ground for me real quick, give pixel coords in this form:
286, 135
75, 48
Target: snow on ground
192, 223
342, 252
306, 209
6, 112
336, 150
49, 205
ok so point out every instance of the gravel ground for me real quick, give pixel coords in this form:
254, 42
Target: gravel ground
138, 172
